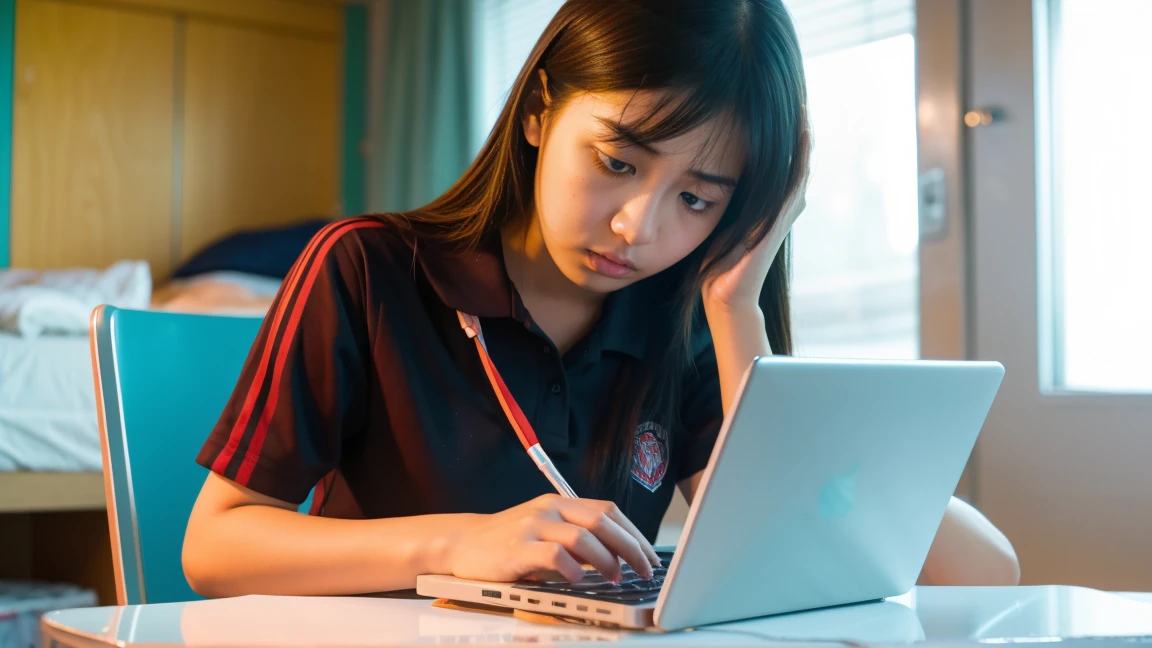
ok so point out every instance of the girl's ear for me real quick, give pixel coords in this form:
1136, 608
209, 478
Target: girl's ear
535, 111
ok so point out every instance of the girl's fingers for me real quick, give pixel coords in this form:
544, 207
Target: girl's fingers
649, 551
597, 518
583, 545
616, 515
543, 556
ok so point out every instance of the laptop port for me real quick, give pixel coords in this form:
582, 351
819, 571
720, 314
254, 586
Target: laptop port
534, 601
581, 608
603, 611
491, 594
514, 597
559, 604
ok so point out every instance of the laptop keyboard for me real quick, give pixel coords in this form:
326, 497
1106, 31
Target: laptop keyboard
632, 589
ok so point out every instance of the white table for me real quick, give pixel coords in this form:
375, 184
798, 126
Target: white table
936, 615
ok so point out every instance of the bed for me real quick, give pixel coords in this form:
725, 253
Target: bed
47, 404
52, 498
49, 449
49, 439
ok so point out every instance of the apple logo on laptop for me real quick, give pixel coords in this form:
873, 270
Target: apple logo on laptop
838, 494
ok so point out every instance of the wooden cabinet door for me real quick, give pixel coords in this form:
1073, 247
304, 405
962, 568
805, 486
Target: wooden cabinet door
261, 128
92, 136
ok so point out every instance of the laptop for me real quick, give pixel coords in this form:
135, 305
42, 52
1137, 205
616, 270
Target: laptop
825, 487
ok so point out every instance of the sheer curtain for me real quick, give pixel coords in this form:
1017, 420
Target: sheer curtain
505, 31
420, 101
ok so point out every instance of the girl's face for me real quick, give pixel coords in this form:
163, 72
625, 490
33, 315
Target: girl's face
613, 214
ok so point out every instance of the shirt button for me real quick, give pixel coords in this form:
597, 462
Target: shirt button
555, 388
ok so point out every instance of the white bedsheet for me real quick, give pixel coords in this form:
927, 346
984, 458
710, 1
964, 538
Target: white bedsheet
33, 302
47, 398
47, 404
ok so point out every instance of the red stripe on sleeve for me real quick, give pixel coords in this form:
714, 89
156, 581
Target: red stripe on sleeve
261, 431
291, 284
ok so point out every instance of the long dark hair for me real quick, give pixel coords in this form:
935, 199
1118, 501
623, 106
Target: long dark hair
735, 59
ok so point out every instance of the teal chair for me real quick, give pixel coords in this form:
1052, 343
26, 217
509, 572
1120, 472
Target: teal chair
162, 380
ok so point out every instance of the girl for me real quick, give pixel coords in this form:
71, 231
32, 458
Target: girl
619, 239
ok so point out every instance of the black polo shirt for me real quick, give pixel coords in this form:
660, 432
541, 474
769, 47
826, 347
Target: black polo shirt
362, 384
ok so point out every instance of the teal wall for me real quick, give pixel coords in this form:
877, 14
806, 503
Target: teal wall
355, 106
7, 48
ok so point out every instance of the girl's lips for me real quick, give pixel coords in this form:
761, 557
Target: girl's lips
610, 265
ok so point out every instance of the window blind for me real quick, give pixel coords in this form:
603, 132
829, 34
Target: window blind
506, 30
825, 26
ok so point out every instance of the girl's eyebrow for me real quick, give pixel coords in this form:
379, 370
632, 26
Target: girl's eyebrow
724, 182
626, 134
623, 132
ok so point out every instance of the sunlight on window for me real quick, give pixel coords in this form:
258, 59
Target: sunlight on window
855, 274
1102, 163
505, 32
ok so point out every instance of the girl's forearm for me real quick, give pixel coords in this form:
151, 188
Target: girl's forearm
739, 336
269, 550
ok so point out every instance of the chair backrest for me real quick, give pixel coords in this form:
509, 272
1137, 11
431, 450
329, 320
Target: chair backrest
162, 380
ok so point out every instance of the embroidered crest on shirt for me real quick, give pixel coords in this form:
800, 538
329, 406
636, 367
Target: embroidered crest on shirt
650, 455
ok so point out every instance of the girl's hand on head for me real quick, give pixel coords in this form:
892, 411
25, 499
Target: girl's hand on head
744, 271
551, 534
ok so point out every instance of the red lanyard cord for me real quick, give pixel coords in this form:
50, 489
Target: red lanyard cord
519, 422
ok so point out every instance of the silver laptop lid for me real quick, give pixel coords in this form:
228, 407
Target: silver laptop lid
826, 487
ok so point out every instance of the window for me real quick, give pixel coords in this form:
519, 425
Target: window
855, 249
1096, 146
505, 32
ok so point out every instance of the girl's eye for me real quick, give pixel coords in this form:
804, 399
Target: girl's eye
695, 203
612, 166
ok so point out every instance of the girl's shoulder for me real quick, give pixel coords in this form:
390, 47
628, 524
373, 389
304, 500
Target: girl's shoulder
354, 254
374, 244
369, 234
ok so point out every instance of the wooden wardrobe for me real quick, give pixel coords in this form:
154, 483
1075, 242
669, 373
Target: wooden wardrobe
143, 129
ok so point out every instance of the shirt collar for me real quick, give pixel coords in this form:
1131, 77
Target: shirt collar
471, 280
475, 281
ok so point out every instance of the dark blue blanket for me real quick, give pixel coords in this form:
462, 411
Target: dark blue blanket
269, 252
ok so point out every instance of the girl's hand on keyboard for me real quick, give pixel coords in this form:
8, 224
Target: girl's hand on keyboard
550, 534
